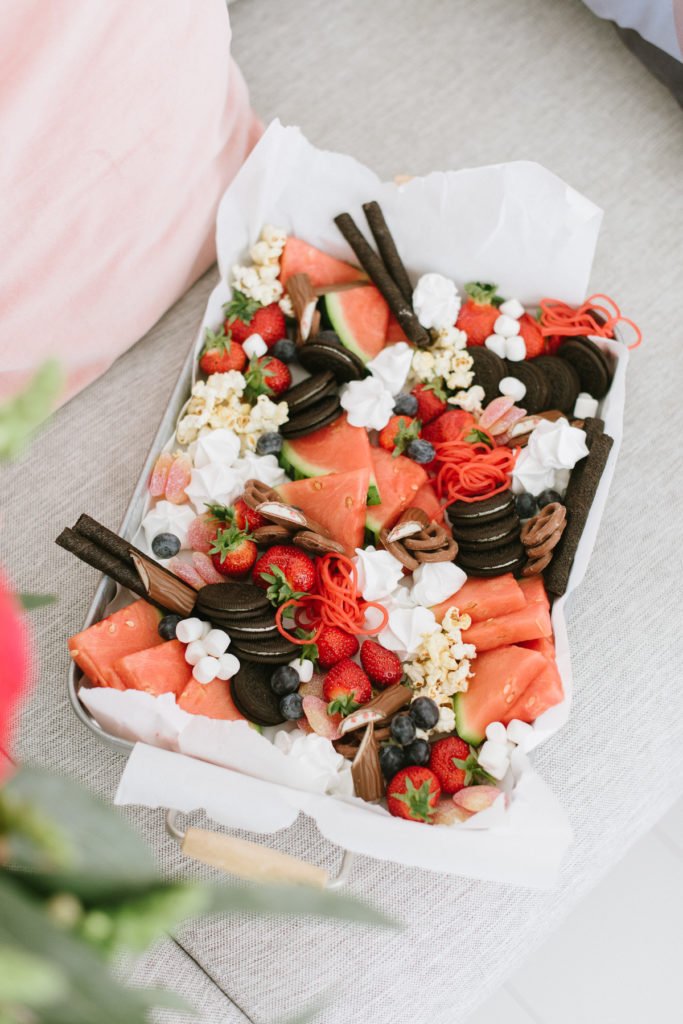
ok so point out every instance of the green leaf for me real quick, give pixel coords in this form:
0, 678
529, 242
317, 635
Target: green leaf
23, 414
294, 900
32, 601
29, 980
477, 436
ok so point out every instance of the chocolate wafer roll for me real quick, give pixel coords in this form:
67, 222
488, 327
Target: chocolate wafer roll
380, 276
103, 538
387, 249
110, 564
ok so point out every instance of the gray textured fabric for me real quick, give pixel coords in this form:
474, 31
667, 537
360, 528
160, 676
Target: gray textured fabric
408, 87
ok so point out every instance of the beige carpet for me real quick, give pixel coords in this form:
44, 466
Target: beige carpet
408, 87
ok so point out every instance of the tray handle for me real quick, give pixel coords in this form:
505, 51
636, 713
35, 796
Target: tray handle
251, 861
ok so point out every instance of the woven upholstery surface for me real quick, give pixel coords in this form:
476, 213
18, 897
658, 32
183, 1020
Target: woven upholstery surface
410, 87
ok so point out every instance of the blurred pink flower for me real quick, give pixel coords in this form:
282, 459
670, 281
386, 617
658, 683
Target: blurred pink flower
15, 662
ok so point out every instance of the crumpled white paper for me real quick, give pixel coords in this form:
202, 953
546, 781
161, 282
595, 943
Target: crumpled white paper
522, 227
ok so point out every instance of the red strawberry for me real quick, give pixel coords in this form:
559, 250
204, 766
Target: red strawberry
284, 572
455, 764
346, 686
479, 313
232, 553
398, 433
267, 376
334, 644
530, 330
431, 400
413, 794
247, 518
221, 353
244, 317
448, 427
383, 666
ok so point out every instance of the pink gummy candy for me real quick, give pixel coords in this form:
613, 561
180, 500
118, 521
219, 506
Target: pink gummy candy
206, 568
179, 476
201, 533
186, 572
159, 477
315, 710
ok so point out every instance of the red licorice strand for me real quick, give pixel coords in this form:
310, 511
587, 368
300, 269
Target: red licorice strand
557, 318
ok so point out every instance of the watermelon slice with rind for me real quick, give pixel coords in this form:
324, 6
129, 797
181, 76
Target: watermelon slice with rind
336, 448
336, 502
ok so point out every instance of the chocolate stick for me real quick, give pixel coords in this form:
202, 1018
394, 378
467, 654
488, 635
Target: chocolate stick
106, 562
374, 267
104, 538
387, 249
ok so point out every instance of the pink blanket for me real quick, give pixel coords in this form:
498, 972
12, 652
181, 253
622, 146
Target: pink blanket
121, 125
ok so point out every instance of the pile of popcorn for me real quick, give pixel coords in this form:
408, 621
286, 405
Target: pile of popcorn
447, 358
441, 666
260, 281
217, 402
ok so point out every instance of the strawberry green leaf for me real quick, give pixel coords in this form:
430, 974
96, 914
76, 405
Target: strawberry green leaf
476, 436
240, 307
417, 800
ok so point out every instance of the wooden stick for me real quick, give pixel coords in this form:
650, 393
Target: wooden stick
387, 249
374, 267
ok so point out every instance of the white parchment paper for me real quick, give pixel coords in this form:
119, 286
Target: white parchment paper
517, 225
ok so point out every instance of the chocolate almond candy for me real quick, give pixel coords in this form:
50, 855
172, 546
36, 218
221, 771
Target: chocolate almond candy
256, 492
317, 543
271, 534
365, 769
303, 298
283, 515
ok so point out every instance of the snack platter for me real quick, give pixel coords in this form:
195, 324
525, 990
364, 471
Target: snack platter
370, 566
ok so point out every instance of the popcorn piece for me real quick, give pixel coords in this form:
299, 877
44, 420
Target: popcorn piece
470, 400
440, 666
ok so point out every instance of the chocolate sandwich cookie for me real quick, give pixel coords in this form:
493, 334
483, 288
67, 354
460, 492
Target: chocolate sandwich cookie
253, 630
578, 499
487, 535
234, 600
488, 371
563, 381
537, 397
309, 391
485, 511
496, 562
591, 364
323, 353
313, 417
253, 696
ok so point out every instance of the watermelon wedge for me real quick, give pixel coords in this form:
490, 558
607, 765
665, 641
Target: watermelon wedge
500, 678
427, 500
483, 598
395, 332
160, 669
298, 257
527, 623
534, 590
336, 448
213, 700
336, 501
360, 317
544, 691
398, 479
96, 649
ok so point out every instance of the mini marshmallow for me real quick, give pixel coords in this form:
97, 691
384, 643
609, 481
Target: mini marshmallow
513, 388
506, 326
520, 733
228, 666
195, 651
496, 343
254, 346
206, 629
494, 759
585, 406
495, 732
512, 307
188, 630
515, 349
206, 669
303, 668
216, 642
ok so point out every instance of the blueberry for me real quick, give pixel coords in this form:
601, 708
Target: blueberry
420, 451
526, 506
292, 706
547, 498
166, 628
418, 752
403, 729
391, 760
424, 712
405, 404
269, 444
165, 545
284, 349
284, 680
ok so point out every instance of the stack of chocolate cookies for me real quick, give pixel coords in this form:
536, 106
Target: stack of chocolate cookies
487, 533
312, 404
247, 616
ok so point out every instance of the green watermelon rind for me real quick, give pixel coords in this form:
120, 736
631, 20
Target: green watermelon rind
300, 469
464, 730
335, 315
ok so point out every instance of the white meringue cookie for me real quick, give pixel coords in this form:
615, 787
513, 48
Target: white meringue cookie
378, 573
406, 629
368, 403
265, 468
215, 484
558, 445
496, 343
530, 475
165, 517
392, 366
326, 770
433, 582
216, 446
436, 301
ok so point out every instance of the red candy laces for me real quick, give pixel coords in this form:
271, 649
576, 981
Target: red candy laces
598, 315
470, 472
